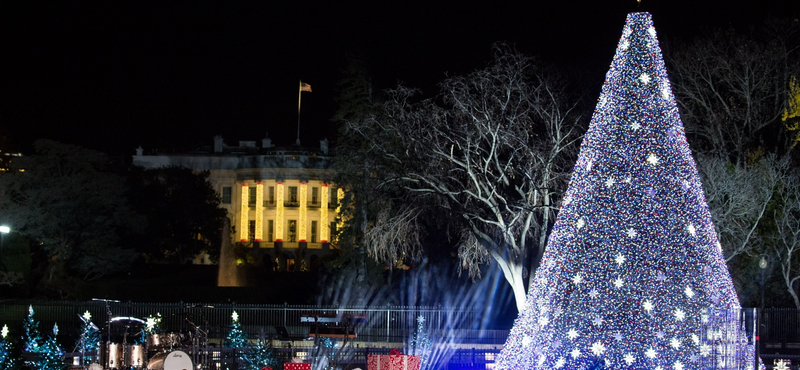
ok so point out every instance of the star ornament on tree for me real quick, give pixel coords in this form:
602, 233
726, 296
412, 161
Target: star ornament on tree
235, 316
629, 359
598, 348
572, 334
4, 332
87, 316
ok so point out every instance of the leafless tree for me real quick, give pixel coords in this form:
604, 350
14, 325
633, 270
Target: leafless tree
732, 89
787, 237
739, 196
491, 155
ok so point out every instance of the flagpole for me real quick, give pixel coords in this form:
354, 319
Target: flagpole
299, 95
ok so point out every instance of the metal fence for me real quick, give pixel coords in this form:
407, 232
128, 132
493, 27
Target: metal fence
779, 329
383, 324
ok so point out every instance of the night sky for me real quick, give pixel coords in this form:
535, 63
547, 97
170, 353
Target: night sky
114, 75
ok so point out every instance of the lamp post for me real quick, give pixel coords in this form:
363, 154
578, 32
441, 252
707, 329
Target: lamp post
3, 231
756, 324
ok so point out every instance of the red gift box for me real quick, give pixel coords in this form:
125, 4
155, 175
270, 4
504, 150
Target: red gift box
296, 366
393, 362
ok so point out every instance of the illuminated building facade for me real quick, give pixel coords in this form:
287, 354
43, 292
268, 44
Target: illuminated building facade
280, 201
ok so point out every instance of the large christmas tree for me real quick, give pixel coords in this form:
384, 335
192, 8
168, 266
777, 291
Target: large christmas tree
633, 276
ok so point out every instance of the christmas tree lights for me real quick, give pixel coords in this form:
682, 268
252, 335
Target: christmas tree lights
7, 362
89, 339
633, 276
32, 339
51, 356
236, 337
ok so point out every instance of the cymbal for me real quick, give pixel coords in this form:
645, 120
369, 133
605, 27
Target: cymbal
127, 321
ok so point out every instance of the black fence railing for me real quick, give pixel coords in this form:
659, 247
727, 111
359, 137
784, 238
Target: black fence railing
779, 329
383, 324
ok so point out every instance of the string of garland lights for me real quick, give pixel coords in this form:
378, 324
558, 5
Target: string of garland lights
633, 276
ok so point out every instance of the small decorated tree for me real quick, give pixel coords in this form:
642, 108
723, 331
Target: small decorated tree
260, 356
89, 339
421, 344
236, 337
326, 354
51, 356
7, 362
32, 339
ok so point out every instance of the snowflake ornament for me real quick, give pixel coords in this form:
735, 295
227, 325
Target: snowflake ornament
629, 359
572, 334
598, 348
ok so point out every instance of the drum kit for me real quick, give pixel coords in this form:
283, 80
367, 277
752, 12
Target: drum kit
128, 346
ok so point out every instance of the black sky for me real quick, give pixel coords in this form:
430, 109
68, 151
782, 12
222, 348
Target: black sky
112, 75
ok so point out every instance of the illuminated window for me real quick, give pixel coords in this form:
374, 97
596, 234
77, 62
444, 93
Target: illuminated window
271, 195
226, 195
292, 231
270, 232
332, 197
313, 231
251, 230
293, 201
252, 198
315, 196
